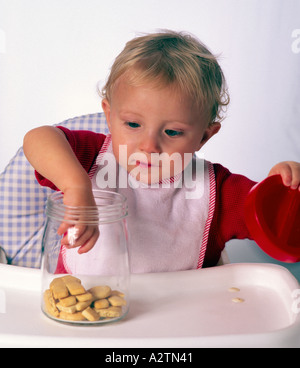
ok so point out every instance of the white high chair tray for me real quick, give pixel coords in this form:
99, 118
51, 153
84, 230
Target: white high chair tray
177, 309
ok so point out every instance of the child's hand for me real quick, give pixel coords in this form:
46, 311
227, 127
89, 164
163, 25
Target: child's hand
290, 173
59, 164
79, 235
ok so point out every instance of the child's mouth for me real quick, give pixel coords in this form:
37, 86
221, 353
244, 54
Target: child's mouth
144, 165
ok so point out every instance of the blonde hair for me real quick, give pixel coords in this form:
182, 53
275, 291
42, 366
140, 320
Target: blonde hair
178, 59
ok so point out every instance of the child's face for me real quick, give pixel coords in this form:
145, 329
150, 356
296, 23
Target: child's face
150, 122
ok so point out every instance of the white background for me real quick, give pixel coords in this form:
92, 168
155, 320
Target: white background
53, 53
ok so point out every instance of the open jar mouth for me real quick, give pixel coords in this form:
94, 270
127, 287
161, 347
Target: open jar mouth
110, 207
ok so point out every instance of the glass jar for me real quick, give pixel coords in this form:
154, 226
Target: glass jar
93, 287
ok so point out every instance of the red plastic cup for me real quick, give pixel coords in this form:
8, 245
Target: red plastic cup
272, 214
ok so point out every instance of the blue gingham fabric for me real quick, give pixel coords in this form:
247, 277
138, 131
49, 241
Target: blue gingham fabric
23, 200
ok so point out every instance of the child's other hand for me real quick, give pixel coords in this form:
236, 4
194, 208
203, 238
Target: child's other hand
290, 173
79, 235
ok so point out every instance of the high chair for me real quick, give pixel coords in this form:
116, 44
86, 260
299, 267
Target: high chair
22, 202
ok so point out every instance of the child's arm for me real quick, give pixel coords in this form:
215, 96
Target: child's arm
49, 152
290, 173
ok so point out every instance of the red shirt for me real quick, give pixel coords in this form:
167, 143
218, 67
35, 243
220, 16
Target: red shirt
231, 192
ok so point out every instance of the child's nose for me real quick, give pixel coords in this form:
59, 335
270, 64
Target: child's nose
150, 143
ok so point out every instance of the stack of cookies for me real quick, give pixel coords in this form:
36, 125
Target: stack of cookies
68, 300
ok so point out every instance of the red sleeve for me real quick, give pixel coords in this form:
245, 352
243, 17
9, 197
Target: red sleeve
228, 221
86, 146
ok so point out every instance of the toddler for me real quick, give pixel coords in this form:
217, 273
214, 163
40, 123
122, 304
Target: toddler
164, 99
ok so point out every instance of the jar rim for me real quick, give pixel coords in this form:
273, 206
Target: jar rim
110, 207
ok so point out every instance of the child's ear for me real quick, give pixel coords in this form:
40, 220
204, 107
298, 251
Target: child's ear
209, 132
106, 109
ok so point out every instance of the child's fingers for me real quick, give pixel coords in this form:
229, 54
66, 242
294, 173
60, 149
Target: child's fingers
63, 228
72, 234
286, 174
91, 240
295, 167
79, 236
85, 236
290, 173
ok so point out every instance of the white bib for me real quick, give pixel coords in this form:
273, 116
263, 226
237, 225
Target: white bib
168, 227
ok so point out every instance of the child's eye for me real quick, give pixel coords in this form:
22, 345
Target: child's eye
132, 124
173, 133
